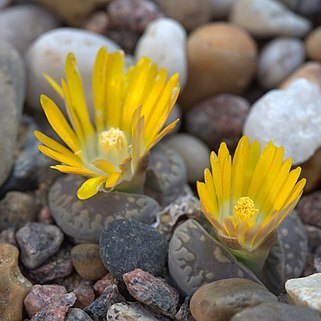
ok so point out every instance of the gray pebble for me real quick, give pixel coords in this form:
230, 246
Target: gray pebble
303, 7
84, 220
38, 242
126, 245
76, 314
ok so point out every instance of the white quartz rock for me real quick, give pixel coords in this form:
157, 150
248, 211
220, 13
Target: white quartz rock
290, 118
48, 55
164, 41
278, 59
266, 18
305, 291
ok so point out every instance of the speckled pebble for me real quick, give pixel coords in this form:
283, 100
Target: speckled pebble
87, 262
184, 312
153, 292
38, 242
220, 300
76, 314
84, 293
126, 245
309, 208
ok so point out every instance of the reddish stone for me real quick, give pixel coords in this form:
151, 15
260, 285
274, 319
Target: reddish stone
44, 216
152, 291
104, 282
84, 293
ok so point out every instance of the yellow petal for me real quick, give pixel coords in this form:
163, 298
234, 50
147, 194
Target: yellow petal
104, 165
74, 170
54, 85
90, 187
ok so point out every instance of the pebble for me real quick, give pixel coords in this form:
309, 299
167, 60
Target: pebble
133, 15
164, 41
8, 236
190, 14
55, 310
220, 300
38, 242
40, 295
309, 208
268, 18
280, 112
47, 54
58, 266
125, 38
126, 245
84, 293
16, 210
221, 59
166, 176
100, 306
194, 152
218, 118
33, 21
13, 285
87, 262
305, 291
317, 260
152, 291
314, 236
313, 44
129, 311
184, 313
85, 220
278, 59
195, 258
12, 84
220, 9
310, 71
277, 312
303, 7
98, 22
104, 282
74, 12
5, 3
76, 314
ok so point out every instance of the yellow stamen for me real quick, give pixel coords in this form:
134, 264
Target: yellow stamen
244, 209
112, 139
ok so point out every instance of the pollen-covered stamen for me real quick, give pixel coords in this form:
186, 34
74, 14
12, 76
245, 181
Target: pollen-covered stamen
244, 209
113, 145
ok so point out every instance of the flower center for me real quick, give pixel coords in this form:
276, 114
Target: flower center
244, 209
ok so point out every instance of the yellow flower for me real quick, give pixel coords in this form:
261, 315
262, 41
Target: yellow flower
130, 109
247, 198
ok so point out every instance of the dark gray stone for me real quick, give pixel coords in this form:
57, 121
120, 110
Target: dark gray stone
85, 220
38, 242
76, 314
126, 245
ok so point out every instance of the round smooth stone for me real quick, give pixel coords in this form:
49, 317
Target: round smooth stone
126, 245
313, 44
265, 18
220, 300
48, 54
164, 41
21, 25
221, 59
278, 59
85, 220
194, 152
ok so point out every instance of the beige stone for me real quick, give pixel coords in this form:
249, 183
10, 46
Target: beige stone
313, 44
13, 285
221, 59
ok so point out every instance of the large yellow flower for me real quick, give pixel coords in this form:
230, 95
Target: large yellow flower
130, 109
247, 198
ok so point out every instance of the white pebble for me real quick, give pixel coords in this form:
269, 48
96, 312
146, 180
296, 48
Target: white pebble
289, 117
164, 41
48, 55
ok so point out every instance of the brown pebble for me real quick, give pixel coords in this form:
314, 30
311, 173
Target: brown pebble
87, 262
98, 22
104, 282
13, 285
84, 293
313, 44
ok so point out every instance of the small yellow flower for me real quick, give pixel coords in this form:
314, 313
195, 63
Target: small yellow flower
247, 198
130, 109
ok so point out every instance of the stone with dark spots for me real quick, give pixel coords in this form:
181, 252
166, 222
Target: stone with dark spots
220, 300
195, 258
309, 209
85, 220
38, 242
219, 118
58, 266
166, 175
126, 245
105, 281
152, 292
76, 314
84, 293
98, 309
184, 312
277, 312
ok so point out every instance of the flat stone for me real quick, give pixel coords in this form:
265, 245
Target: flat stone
38, 242
12, 92
85, 220
195, 258
87, 262
13, 285
220, 300
277, 312
153, 292
126, 245
305, 291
